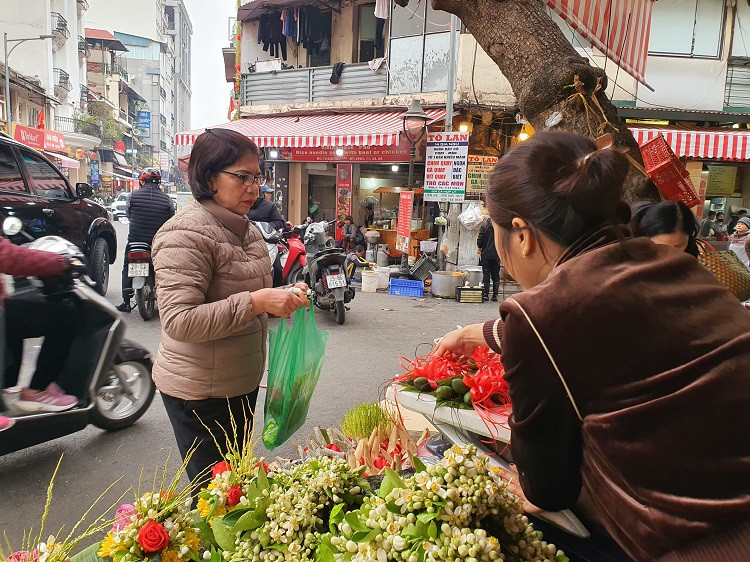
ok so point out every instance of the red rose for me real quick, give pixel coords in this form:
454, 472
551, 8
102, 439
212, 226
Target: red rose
220, 468
380, 463
153, 537
233, 498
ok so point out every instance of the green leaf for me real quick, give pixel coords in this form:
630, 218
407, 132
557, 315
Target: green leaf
324, 554
232, 517
215, 554
325, 436
391, 481
561, 558
365, 536
88, 555
262, 479
204, 530
393, 508
223, 537
336, 516
410, 530
252, 520
432, 530
418, 464
355, 522
425, 517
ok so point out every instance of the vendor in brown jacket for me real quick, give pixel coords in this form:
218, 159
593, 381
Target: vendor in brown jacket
625, 389
213, 279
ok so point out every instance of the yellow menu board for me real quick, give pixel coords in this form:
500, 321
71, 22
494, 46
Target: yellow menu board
721, 181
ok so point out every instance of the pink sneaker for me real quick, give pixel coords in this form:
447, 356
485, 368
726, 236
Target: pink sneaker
6, 423
52, 399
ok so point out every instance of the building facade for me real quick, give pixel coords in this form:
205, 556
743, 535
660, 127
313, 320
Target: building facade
157, 35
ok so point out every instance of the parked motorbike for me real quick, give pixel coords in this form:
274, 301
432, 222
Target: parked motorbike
141, 271
287, 253
113, 375
326, 271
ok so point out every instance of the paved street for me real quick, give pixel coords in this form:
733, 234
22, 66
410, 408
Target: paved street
361, 356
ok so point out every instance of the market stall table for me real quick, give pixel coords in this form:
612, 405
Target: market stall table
388, 236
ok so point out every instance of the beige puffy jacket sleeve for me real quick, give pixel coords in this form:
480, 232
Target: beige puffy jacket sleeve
185, 263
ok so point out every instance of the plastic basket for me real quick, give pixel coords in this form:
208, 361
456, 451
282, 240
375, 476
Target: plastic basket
667, 172
469, 294
423, 268
406, 288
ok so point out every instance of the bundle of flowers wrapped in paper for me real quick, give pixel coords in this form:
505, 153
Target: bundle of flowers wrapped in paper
158, 523
438, 514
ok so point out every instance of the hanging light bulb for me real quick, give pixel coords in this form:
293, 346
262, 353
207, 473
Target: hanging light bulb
526, 132
394, 168
274, 154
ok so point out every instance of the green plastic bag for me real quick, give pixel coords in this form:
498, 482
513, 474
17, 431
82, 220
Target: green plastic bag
295, 359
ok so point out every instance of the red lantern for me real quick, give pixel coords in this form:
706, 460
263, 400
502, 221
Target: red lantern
238, 66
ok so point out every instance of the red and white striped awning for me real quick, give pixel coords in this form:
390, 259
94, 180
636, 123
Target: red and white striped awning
65, 161
709, 144
618, 28
306, 131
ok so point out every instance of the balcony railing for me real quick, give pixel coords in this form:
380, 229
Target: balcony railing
163, 92
83, 5
108, 69
302, 85
737, 87
59, 29
123, 115
83, 47
73, 125
62, 82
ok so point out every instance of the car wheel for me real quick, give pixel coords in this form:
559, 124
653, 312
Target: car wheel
99, 266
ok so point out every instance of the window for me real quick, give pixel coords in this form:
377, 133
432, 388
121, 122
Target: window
33, 117
10, 174
367, 32
419, 48
687, 27
46, 180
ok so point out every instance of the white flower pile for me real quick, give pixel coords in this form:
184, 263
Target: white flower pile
436, 515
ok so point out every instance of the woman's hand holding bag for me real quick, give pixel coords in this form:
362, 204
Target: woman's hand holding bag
278, 302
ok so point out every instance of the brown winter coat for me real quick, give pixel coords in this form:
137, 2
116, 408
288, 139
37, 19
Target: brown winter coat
212, 345
661, 385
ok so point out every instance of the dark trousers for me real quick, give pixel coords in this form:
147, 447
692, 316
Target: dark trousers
186, 416
491, 274
33, 317
127, 281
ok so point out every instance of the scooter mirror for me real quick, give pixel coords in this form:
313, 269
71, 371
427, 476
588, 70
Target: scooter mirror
12, 226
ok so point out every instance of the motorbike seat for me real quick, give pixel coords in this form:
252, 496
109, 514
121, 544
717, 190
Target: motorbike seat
138, 247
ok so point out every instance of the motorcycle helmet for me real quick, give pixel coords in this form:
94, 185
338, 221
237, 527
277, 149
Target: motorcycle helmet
266, 189
150, 176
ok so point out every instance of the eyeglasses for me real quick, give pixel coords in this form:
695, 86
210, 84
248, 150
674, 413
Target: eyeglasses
248, 179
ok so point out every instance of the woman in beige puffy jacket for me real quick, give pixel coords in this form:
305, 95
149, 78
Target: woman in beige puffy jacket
213, 279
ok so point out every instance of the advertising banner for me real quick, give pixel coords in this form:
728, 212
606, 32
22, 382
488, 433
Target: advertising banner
478, 173
445, 171
41, 139
343, 196
403, 231
142, 127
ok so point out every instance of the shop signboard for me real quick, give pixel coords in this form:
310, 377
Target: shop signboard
343, 196
164, 161
41, 139
94, 169
385, 154
403, 230
142, 127
445, 171
478, 172
721, 180
107, 184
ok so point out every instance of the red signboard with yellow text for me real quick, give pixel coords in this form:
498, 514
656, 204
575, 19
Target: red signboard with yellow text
403, 230
343, 196
41, 139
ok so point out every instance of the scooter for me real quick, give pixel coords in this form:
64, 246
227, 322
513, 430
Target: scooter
113, 375
326, 271
142, 273
287, 253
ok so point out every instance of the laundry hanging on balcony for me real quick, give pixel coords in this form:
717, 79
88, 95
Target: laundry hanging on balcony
618, 28
381, 128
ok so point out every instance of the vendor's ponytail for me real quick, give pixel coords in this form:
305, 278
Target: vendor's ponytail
560, 183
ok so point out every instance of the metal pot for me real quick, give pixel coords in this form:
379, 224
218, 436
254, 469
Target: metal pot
474, 274
444, 283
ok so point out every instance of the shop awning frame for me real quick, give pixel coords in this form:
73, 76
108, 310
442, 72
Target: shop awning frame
699, 143
65, 161
382, 128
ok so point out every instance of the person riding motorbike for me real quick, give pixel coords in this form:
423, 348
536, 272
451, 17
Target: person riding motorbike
265, 210
148, 209
19, 261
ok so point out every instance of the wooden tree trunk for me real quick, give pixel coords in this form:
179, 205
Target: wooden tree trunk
547, 74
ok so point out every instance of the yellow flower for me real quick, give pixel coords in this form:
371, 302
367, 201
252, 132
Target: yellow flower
204, 508
211, 486
169, 555
107, 548
192, 541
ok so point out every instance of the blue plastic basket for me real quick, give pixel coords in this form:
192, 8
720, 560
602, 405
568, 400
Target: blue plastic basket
406, 288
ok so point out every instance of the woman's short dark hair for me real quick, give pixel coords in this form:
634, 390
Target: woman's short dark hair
651, 219
560, 184
213, 151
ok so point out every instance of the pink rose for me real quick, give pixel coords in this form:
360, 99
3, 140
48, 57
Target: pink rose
123, 517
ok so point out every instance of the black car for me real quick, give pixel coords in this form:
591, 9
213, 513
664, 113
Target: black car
34, 190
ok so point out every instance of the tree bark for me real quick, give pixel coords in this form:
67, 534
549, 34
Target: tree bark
548, 75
